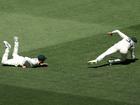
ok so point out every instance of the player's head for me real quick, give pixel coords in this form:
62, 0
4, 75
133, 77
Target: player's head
41, 58
134, 39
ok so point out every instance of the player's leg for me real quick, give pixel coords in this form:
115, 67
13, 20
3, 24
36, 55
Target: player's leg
5, 60
16, 45
119, 60
123, 51
108, 52
6, 53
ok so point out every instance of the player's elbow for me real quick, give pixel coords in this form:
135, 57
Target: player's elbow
116, 31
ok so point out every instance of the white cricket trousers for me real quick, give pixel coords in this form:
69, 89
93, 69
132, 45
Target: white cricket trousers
16, 60
115, 48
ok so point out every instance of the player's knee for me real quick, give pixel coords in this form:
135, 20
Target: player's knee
14, 55
124, 51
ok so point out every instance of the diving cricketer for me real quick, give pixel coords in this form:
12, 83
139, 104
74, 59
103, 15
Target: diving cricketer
127, 44
21, 61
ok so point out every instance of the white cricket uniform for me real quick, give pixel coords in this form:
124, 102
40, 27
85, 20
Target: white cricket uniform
17, 60
123, 46
32, 61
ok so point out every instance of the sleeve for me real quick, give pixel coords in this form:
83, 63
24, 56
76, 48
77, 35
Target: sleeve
122, 35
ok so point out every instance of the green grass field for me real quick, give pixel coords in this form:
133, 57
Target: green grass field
69, 33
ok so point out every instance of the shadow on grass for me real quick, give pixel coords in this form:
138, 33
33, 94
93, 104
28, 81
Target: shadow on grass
127, 62
13, 95
38, 66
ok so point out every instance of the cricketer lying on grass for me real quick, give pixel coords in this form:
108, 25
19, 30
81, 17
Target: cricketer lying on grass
18, 60
123, 47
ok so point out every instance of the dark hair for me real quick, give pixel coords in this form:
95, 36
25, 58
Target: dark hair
134, 39
41, 58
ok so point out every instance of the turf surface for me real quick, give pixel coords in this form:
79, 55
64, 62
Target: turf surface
70, 33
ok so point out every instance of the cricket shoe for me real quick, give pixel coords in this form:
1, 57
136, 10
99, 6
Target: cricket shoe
110, 62
15, 38
6, 44
93, 61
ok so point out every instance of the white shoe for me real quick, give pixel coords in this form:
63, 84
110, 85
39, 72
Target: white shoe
7, 45
93, 61
15, 38
110, 62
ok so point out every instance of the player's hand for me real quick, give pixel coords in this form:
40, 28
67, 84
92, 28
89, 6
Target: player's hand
110, 33
44, 65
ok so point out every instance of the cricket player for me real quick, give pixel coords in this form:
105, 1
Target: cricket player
21, 61
123, 47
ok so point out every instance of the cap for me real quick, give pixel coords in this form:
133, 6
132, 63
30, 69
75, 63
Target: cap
134, 39
41, 57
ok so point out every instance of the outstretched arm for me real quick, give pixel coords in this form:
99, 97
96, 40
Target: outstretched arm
44, 64
41, 65
122, 35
